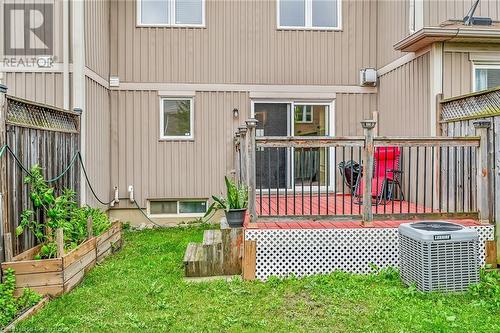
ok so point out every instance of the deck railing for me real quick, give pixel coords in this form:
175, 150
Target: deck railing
364, 177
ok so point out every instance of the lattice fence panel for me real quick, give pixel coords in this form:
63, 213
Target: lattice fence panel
481, 105
22, 113
283, 252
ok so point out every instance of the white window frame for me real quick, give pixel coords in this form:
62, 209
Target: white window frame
191, 120
415, 15
308, 18
330, 103
304, 114
178, 214
482, 65
171, 17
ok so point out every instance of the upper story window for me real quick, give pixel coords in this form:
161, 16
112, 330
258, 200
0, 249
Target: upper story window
486, 76
176, 13
176, 118
309, 14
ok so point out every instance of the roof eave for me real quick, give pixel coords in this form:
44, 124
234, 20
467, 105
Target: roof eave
429, 35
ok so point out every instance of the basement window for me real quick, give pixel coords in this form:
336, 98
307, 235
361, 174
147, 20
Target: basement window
309, 14
171, 13
169, 208
486, 76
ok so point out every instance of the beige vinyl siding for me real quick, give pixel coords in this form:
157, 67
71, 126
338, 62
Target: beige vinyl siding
350, 109
393, 26
404, 99
457, 74
241, 44
97, 37
98, 141
46, 88
165, 169
438, 11
192, 169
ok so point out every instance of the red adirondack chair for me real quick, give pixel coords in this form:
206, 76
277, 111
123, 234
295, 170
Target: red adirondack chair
386, 176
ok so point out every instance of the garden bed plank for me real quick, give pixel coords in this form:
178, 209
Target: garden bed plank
28, 254
56, 276
26, 314
34, 266
87, 260
39, 279
79, 252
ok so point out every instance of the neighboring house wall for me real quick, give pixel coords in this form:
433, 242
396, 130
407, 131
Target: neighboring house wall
438, 11
404, 99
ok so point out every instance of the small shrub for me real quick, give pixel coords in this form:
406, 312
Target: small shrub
489, 288
11, 306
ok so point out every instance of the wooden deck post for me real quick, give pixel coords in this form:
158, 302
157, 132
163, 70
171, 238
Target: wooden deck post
368, 161
242, 131
251, 125
7, 242
484, 185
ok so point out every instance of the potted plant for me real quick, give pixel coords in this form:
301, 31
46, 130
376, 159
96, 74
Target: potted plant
234, 205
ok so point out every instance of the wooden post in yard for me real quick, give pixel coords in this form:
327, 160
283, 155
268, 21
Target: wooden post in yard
484, 186
90, 231
60, 242
251, 125
7, 241
368, 161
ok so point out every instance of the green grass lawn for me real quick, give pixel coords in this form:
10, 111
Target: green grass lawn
141, 289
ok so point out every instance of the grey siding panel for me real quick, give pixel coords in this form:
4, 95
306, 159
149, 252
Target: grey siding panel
98, 144
46, 88
393, 26
97, 39
192, 169
350, 109
404, 99
438, 11
457, 74
167, 169
241, 44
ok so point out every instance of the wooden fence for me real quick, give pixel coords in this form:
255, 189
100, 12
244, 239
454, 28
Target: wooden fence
36, 134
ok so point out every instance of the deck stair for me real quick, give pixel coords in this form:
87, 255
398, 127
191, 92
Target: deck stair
219, 254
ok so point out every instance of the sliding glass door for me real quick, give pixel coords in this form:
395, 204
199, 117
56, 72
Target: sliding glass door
285, 168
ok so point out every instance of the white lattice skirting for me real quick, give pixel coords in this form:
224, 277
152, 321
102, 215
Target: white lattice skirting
282, 252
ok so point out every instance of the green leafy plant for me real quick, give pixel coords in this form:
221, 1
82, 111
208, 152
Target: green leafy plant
10, 306
236, 198
61, 212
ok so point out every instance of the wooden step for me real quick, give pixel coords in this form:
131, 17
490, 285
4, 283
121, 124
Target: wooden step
211, 237
203, 260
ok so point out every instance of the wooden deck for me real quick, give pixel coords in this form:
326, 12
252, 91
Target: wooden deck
330, 212
332, 204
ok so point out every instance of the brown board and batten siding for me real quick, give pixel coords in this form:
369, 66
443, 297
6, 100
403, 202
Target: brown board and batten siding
97, 37
98, 141
193, 169
438, 11
457, 74
241, 44
393, 26
404, 99
45, 88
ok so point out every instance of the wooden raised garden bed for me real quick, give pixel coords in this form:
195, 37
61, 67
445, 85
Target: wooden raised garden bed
57, 276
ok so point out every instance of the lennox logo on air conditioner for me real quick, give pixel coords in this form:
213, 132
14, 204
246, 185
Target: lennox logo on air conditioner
442, 237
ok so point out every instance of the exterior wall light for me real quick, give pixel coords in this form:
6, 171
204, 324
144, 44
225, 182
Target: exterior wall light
236, 113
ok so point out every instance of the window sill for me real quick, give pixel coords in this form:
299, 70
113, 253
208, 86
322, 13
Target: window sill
176, 140
191, 26
309, 29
